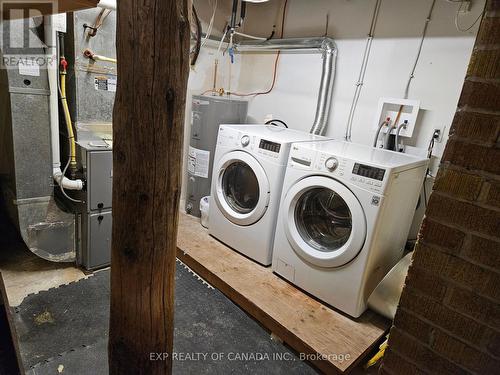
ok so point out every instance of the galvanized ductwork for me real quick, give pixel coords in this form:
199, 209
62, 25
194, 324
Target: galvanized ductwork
25, 156
324, 45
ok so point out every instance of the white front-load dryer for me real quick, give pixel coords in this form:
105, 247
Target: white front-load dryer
344, 216
249, 166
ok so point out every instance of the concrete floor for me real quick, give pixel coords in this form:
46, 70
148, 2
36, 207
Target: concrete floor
23, 272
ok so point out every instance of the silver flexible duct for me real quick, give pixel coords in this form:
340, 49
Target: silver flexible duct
327, 47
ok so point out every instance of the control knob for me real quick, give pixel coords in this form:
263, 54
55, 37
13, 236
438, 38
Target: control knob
245, 140
331, 164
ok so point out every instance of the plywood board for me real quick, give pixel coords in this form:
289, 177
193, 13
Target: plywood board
331, 340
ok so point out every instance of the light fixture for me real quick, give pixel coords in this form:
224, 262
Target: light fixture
256, 1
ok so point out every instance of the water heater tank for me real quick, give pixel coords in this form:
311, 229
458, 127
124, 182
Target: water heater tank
208, 112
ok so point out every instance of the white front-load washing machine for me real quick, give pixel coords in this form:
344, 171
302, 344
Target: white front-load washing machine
249, 165
344, 217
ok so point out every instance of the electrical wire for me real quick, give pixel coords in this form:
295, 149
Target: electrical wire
210, 24
97, 23
249, 36
362, 72
275, 67
457, 26
216, 62
222, 40
207, 91
275, 122
430, 148
275, 70
419, 50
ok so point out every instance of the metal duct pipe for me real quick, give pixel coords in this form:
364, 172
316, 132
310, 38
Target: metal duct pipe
25, 156
324, 45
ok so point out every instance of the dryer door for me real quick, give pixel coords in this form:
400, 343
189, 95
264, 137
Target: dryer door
242, 188
324, 222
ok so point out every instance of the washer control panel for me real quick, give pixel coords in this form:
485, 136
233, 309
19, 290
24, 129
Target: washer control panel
368, 171
245, 140
366, 176
331, 164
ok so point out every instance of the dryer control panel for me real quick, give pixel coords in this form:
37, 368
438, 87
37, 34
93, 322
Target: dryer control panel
240, 140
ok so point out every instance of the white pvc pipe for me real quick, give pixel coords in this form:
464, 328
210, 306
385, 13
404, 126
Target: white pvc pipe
52, 65
66, 182
51, 54
249, 36
107, 4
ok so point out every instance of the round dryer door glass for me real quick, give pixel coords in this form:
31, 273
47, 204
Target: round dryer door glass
240, 187
323, 219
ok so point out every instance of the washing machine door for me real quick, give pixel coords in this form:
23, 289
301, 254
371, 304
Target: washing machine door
324, 221
242, 188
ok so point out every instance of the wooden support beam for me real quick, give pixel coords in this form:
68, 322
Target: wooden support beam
148, 121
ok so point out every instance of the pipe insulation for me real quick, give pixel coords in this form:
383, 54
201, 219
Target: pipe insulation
52, 71
328, 50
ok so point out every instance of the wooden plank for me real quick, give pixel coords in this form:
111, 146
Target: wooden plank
148, 122
300, 320
4, 304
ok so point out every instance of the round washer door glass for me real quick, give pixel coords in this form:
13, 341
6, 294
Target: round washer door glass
240, 187
323, 219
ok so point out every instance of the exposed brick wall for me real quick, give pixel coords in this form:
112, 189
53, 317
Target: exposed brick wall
448, 320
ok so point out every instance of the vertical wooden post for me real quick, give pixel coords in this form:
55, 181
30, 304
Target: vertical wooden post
148, 121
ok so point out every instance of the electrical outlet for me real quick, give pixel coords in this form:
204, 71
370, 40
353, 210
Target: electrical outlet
438, 135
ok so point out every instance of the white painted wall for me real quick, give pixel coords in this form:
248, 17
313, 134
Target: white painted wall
438, 78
